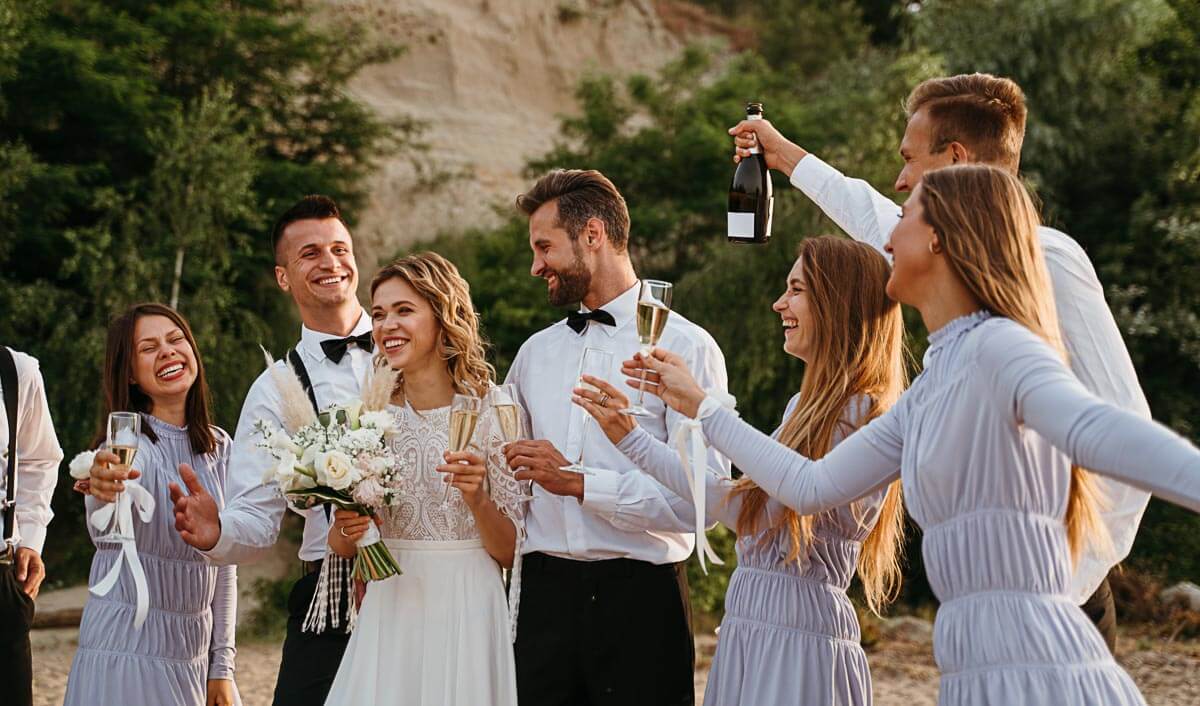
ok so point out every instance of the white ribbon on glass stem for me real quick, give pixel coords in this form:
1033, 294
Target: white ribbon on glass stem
689, 443
117, 518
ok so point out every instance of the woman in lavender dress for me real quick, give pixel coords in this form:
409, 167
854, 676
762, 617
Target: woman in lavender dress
990, 443
790, 634
183, 654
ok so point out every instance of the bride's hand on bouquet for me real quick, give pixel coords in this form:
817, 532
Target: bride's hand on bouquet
605, 407
348, 527
220, 692
668, 378
466, 471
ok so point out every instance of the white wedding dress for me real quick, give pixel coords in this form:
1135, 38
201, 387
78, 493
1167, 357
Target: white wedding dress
439, 633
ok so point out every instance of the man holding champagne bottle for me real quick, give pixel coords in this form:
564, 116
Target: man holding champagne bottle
981, 118
604, 610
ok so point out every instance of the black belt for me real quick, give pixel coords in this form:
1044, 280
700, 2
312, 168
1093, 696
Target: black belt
311, 567
539, 563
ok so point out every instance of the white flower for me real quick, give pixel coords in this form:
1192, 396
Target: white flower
368, 493
308, 459
379, 465
280, 441
285, 470
361, 440
336, 470
383, 421
81, 465
353, 410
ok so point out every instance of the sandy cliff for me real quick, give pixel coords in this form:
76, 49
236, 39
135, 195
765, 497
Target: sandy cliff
488, 78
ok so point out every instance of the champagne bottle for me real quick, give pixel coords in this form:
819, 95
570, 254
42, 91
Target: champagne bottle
750, 199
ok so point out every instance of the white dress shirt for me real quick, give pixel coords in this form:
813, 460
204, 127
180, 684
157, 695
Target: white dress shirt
1096, 353
250, 520
625, 512
38, 455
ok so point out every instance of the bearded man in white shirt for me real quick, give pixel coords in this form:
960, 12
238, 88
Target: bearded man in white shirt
604, 615
981, 118
314, 263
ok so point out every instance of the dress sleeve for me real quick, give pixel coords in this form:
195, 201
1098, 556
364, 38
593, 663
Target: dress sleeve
504, 490
221, 648
663, 463
1032, 382
864, 463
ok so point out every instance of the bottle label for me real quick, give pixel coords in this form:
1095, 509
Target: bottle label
741, 225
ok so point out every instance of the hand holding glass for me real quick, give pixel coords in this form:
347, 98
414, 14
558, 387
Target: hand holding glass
511, 420
464, 415
596, 363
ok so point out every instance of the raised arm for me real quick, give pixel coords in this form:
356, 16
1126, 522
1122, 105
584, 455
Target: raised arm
1030, 378
866, 462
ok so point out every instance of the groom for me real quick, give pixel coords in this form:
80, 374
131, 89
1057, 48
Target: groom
981, 118
604, 616
314, 263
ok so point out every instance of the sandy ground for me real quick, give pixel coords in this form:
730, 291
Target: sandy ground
1167, 673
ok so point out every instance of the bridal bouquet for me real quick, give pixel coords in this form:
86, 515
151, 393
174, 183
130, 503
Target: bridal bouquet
340, 457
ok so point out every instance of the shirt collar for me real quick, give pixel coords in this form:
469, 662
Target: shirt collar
310, 340
623, 308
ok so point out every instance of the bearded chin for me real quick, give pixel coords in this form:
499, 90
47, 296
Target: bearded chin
572, 286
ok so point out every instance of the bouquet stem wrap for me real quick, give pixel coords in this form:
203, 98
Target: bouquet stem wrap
373, 561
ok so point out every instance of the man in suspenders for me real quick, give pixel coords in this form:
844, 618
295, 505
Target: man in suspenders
29, 458
314, 263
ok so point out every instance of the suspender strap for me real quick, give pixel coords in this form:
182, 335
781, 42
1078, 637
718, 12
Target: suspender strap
8, 381
305, 380
302, 373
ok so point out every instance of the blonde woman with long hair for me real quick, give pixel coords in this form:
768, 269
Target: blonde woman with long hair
990, 443
438, 634
790, 634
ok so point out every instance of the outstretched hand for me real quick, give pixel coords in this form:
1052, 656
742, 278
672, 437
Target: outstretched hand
781, 153
197, 518
605, 407
668, 378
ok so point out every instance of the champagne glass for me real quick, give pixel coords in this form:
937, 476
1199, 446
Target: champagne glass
124, 430
653, 308
510, 418
596, 363
464, 415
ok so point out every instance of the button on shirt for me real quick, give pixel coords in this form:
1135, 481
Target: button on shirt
250, 520
1096, 353
38, 455
625, 512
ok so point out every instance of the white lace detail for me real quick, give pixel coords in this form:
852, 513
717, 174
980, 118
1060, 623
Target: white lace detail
420, 514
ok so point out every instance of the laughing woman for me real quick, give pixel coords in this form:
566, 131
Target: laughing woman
183, 653
990, 442
438, 634
790, 634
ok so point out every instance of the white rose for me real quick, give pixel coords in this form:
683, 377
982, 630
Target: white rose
379, 420
336, 470
81, 465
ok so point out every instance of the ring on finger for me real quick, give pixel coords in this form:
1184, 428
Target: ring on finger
604, 398
343, 531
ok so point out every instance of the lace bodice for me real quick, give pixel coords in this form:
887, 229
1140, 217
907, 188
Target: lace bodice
419, 443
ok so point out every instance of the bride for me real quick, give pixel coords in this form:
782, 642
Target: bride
438, 634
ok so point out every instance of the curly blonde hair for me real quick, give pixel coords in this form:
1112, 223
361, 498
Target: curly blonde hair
462, 346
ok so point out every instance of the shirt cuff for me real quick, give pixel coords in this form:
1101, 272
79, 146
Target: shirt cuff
33, 536
810, 172
600, 489
220, 550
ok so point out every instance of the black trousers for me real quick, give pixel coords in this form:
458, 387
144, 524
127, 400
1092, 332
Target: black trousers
604, 633
16, 659
1103, 612
310, 661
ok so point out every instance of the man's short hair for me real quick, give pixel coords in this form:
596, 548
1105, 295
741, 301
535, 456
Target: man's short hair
983, 112
311, 207
581, 194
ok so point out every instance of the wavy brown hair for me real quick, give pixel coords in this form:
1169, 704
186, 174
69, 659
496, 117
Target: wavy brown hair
856, 370
121, 394
987, 225
462, 347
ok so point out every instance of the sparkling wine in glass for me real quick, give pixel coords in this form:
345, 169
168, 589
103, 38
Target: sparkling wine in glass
596, 363
653, 309
510, 418
124, 430
464, 415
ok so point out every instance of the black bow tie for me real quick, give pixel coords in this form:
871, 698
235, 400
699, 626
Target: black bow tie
335, 348
578, 320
